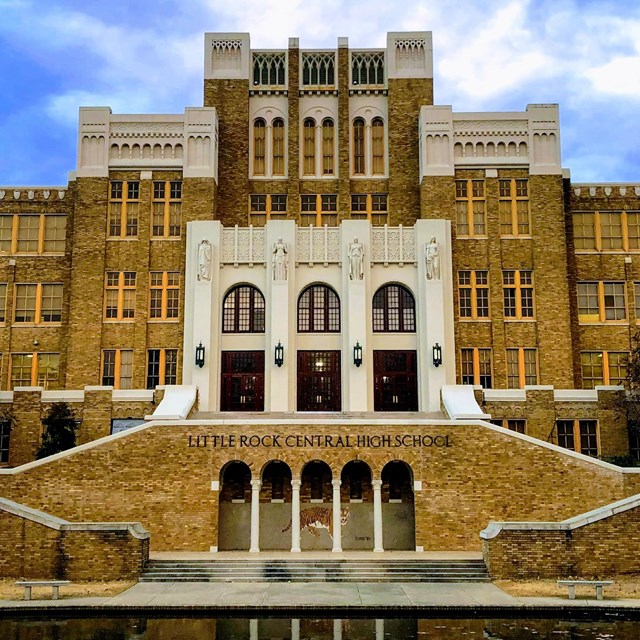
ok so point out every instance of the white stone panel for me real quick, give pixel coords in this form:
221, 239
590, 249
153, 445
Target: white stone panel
227, 56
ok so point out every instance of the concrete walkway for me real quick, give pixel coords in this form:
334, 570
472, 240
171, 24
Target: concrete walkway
273, 597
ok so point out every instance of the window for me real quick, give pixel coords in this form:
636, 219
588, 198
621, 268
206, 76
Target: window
117, 368
476, 367
370, 206
603, 368
269, 68
473, 294
243, 310
318, 310
377, 147
38, 303
124, 202
277, 133
578, 435
120, 295
31, 233
319, 209
522, 368
5, 440
35, 369
162, 367
266, 206
518, 425
394, 309
470, 208
358, 147
318, 68
518, 294
328, 138
606, 230
3, 301
601, 302
259, 146
513, 207
164, 295
367, 68
368, 147
166, 209
309, 147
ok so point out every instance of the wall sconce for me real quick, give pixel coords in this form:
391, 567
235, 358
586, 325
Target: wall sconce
200, 356
437, 355
279, 355
357, 354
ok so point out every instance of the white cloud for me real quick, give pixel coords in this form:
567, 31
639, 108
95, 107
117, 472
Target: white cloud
619, 77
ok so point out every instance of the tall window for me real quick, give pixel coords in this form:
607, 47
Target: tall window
309, 147
162, 367
124, 203
601, 302
318, 68
513, 207
166, 209
476, 367
3, 301
522, 368
470, 208
35, 369
606, 230
358, 147
370, 206
318, 310
513, 424
266, 206
377, 147
37, 234
603, 367
578, 435
117, 368
243, 310
277, 132
120, 295
394, 309
164, 295
259, 146
473, 294
38, 303
328, 138
518, 294
5, 440
319, 209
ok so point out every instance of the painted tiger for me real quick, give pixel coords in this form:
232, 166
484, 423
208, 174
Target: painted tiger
317, 518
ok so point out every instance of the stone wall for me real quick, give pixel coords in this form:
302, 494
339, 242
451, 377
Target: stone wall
580, 547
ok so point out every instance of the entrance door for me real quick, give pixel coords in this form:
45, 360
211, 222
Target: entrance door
319, 381
395, 381
242, 387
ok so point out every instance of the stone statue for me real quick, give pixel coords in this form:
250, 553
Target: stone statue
280, 261
204, 261
432, 256
356, 260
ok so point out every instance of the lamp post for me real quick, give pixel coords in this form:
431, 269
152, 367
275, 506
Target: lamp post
200, 356
357, 354
278, 358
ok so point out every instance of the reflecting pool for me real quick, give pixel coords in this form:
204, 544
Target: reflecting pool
317, 629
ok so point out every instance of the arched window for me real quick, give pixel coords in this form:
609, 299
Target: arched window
327, 146
394, 309
358, 146
318, 310
243, 310
259, 146
309, 147
377, 146
278, 147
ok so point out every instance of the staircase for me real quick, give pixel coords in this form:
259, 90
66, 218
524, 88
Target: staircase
315, 570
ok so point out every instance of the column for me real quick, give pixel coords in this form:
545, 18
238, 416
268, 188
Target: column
377, 515
379, 629
253, 629
295, 629
295, 516
255, 515
337, 629
337, 526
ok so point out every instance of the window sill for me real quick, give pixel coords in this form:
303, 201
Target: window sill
36, 325
520, 320
333, 176
163, 239
524, 236
472, 237
376, 176
118, 239
475, 320
115, 321
604, 323
236, 501
161, 321
277, 501
356, 500
267, 177
316, 501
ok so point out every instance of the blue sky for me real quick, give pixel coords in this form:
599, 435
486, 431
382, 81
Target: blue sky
490, 55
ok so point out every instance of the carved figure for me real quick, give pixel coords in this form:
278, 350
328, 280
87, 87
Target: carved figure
204, 261
280, 260
356, 260
432, 256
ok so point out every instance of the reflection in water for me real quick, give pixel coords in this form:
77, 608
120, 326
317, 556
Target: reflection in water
316, 629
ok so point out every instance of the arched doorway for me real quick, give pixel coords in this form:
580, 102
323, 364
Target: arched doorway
356, 497
234, 510
316, 507
398, 511
275, 506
